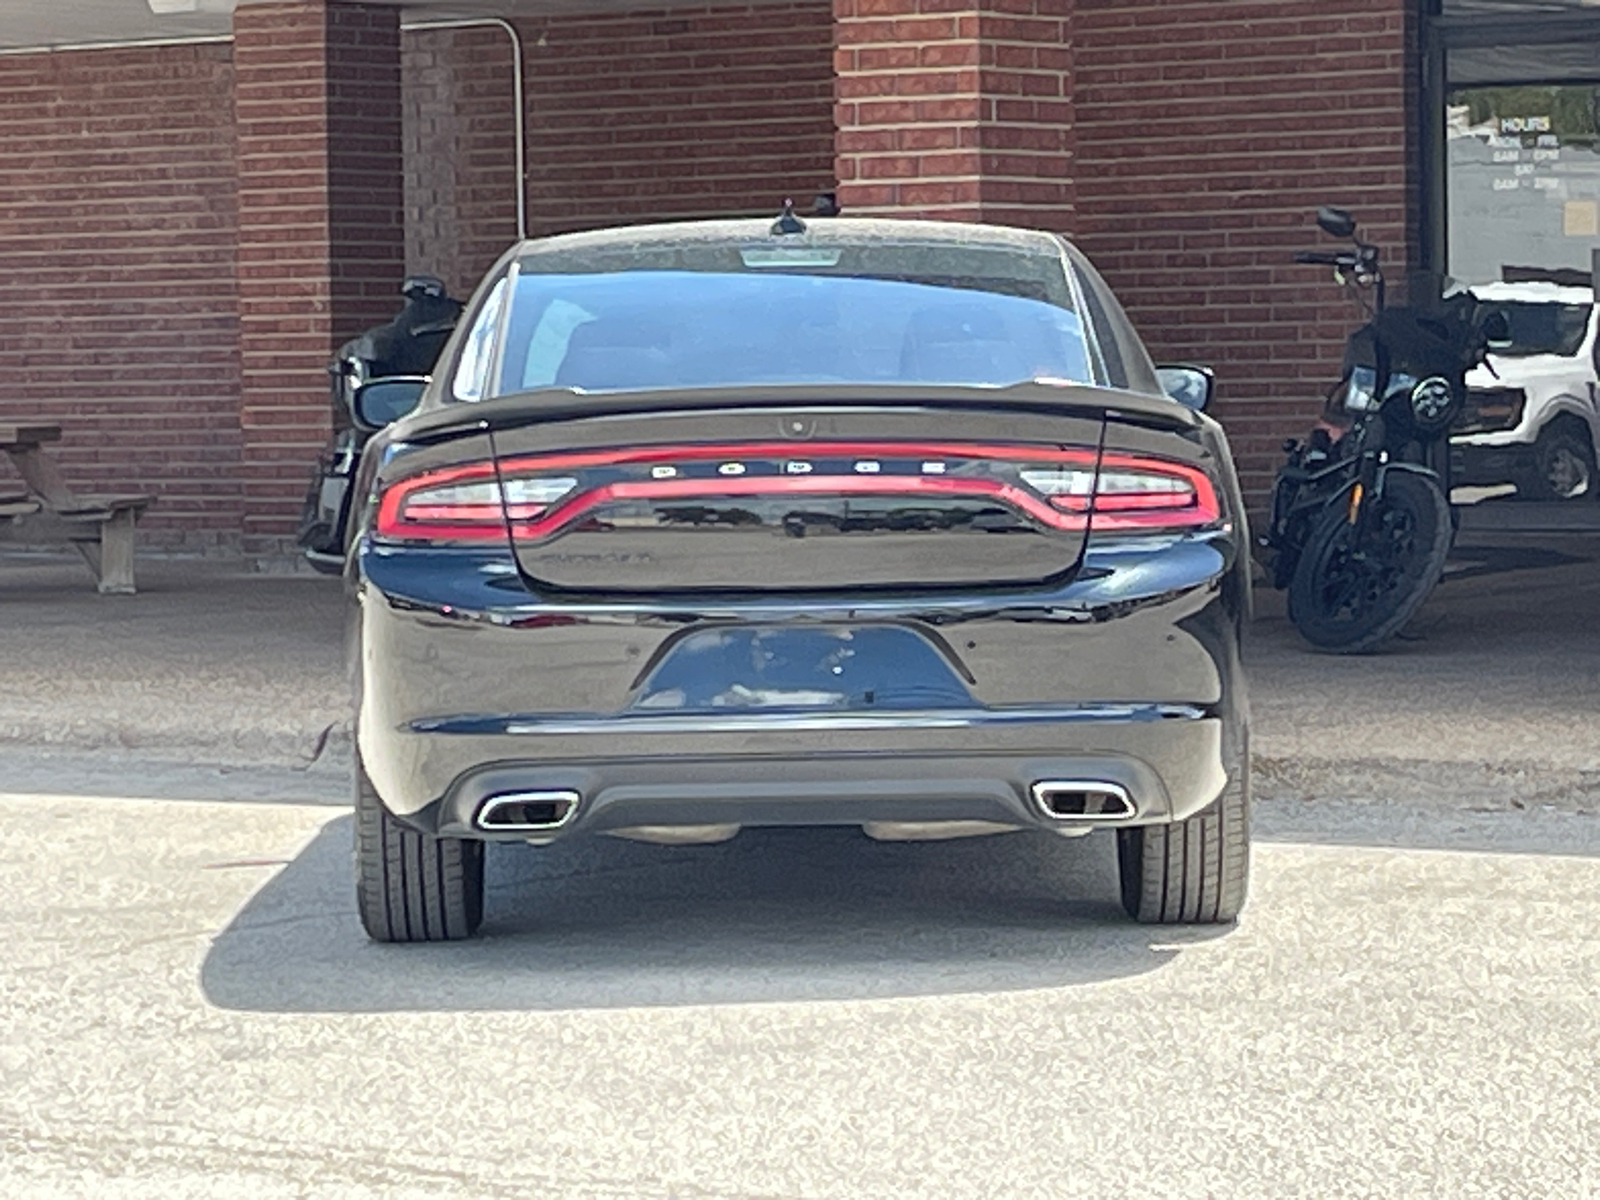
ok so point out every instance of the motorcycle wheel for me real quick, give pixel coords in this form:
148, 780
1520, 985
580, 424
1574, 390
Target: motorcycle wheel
1346, 599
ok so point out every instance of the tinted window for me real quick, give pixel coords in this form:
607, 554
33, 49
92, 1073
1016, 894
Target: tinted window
472, 371
1544, 328
1116, 371
1127, 361
716, 314
651, 329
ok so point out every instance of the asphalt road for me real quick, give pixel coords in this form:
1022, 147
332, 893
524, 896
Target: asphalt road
188, 1008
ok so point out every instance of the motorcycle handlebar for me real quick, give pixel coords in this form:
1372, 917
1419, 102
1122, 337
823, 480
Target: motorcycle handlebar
1325, 258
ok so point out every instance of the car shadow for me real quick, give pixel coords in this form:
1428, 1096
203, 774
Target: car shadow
772, 916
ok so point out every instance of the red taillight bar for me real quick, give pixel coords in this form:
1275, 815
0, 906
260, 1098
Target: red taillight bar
569, 511
1113, 512
1148, 511
440, 523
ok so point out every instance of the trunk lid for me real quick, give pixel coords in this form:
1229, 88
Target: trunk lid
655, 494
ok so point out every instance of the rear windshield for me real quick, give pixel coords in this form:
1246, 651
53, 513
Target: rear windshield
721, 315
1544, 328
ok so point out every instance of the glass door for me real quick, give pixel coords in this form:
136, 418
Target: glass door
1513, 90
1521, 144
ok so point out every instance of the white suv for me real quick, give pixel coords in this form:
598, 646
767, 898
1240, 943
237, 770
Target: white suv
1534, 419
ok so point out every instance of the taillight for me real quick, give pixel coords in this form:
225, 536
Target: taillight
464, 504
1129, 493
1056, 486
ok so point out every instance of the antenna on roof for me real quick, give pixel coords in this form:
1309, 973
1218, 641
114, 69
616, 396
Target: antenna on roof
787, 222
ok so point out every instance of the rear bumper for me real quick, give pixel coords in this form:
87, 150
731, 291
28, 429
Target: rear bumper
1484, 463
1127, 676
1169, 762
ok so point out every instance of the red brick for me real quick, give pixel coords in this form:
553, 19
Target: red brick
1199, 162
325, 241
625, 122
967, 72
117, 225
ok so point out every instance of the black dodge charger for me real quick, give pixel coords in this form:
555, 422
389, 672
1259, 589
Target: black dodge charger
878, 523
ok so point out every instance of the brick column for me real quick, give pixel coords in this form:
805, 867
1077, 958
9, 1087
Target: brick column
321, 227
956, 109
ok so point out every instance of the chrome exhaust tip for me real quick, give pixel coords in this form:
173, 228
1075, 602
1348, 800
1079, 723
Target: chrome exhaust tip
1083, 800
527, 812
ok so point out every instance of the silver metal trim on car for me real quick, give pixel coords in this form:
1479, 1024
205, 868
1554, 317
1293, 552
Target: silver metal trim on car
567, 800
1044, 788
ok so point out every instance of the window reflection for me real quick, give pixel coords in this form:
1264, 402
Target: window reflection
1524, 182
1453, 8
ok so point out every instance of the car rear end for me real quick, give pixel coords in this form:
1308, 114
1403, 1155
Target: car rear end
920, 607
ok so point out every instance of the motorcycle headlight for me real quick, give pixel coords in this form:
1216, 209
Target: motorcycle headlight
1360, 394
1400, 384
1432, 402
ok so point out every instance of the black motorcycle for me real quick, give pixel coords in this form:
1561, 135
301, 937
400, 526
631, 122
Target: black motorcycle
1361, 520
400, 353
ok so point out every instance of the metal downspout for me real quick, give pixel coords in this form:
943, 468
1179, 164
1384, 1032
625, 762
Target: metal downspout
520, 115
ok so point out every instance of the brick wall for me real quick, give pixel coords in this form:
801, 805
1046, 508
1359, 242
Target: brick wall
630, 117
687, 113
956, 111
321, 238
1207, 134
117, 254
122, 179
366, 216
460, 181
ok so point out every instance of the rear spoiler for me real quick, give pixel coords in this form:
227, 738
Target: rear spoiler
544, 405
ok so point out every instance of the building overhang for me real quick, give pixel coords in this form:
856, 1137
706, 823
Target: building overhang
67, 24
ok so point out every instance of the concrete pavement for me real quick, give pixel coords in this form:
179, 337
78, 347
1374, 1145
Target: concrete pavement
190, 1009
1493, 697
205, 662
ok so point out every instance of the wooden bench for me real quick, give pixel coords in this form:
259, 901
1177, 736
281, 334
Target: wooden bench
100, 528
17, 504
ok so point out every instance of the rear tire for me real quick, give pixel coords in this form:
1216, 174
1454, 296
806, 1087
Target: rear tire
1193, 872
411, 886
